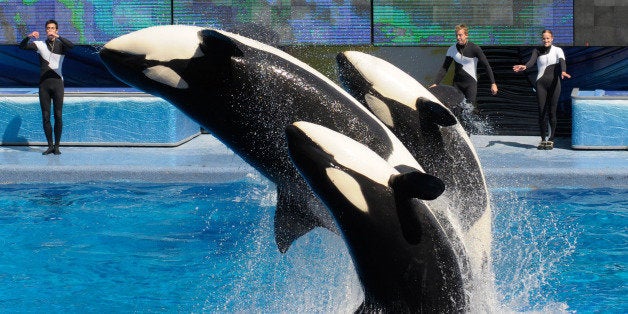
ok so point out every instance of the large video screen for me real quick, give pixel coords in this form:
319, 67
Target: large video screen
293, 22
97, 21
490, 22
83, 22
320, 22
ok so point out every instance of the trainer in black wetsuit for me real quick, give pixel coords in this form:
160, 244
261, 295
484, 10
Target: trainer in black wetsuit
466, 56
51, 54
550, 61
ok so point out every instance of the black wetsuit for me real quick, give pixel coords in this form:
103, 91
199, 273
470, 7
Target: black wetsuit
548, 84
465, 77
51, 55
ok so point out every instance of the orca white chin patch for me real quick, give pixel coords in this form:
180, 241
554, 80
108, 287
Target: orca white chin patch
165, 75
160, 43
349, 188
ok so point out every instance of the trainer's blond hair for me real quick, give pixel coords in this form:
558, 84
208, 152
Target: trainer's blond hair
463, 27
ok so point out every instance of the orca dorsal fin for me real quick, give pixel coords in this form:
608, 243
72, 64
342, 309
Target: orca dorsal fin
417, 184
216, 44
435, 112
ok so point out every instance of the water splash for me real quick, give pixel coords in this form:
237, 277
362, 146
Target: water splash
472, 246
471, 120
315, 275
531, 242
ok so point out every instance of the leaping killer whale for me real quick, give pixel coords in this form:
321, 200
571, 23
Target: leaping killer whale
245, 93
369, 199
442, 147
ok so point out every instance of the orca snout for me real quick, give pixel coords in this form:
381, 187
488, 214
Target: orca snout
126, 67
303, 150
113, 57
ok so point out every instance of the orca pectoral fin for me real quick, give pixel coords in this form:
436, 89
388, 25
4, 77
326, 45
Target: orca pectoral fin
297, 213
435, 112
418, 185
217, 45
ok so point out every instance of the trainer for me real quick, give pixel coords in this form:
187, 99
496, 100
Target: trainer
466, 56
51, 54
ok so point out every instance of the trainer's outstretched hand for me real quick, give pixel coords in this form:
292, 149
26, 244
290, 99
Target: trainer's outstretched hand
519, 67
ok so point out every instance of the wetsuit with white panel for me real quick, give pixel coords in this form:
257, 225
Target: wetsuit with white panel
550, 63
466, 59
51, 89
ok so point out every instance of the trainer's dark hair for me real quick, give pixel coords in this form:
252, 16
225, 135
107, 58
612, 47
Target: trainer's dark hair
52, 22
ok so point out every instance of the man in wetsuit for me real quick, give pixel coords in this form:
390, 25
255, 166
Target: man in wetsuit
550, 61
466, 55
51, 54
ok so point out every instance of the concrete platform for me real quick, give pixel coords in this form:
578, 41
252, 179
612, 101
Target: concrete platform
514, 161
508, 161
202, 159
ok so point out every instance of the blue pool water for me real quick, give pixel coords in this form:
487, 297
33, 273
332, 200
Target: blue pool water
146, 248
210, 248
562, 249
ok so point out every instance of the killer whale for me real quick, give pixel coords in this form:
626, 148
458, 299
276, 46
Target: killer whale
245, 93
441, 146
369, 199
465, 112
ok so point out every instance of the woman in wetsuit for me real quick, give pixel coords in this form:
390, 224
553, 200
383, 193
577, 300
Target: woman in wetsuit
466, 56
550, 61
51, 54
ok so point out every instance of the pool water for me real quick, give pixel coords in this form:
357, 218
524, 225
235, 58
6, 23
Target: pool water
173, 248
562, 249
210, 248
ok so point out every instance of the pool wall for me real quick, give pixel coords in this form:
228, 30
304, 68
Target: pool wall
600, 119
96, 118
514, 111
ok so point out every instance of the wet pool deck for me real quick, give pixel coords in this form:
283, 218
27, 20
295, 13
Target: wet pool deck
508, 161
514, 161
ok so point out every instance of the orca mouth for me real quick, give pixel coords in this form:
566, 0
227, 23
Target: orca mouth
123, 65
350, 77
112, 57
301, 146
342, 59
129, 68
347, 70
308, 156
